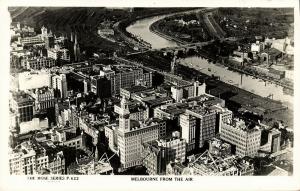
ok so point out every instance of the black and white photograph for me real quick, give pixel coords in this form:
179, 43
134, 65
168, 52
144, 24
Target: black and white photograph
150, 94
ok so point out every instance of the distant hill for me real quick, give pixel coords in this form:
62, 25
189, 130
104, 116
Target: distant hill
66, 18
83, 20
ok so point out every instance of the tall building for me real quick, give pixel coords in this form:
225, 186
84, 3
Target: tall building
44, 98
224, 115
245, 139
175, 148
58, 53
111, 133
123, 77
39, 63
154, 158
131, 136
23, 105
273, 143
187, 90
205, 124
188, 130
76, 50
49, 40
138, 111
157, 154
59, 82
275, 137
101, 86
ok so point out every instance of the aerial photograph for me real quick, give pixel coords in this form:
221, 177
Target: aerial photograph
197, 91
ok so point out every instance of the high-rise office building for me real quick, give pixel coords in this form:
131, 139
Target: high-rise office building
49, 40
59, 82
131, 136
224, 115
23, 105
58, 53
246, 140
126, 77
205, 124
101, 86
44, 98
188, 130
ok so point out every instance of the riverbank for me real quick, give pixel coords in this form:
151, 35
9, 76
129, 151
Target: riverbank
237, 99
121, 26
242, 69
155, 29
248, 70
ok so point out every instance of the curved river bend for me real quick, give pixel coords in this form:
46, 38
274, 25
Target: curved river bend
141, 28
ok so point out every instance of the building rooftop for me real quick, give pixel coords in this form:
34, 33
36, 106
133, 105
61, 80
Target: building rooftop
158, 101
138, 125
22, 97
201, 110
42, 90
241, 125
272, 52
134, 89
175, 109
125, 68
208, 164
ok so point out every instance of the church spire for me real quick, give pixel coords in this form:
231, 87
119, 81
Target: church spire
72, 38
96, 154
76, 49
75, 43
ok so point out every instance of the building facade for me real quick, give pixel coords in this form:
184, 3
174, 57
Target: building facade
126, 77
39, 63
29, 160
44, 98
131, 136
247, 141
59, 82
205, 124
188, 130
59, 54
23, 105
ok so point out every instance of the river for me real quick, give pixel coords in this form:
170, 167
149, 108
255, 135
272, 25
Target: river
141, 28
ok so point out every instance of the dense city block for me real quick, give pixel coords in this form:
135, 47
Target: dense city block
151, 91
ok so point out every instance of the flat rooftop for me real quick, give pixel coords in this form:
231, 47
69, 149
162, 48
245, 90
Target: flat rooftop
201, 110
175, 109
134, 89
22, 97
158, 101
